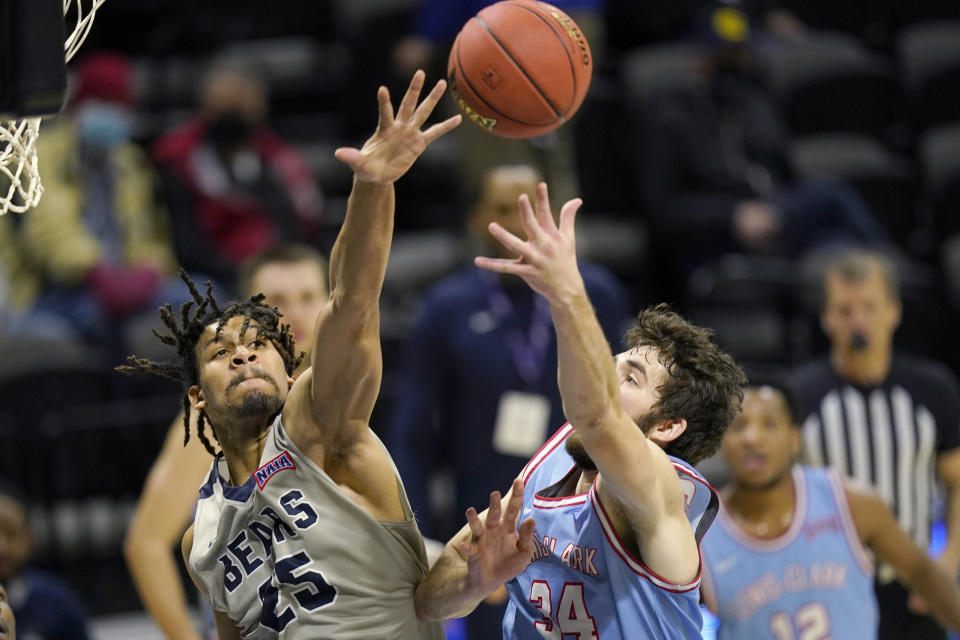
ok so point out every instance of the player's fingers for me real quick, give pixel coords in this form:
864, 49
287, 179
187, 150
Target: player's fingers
528, 218
348, 155
568, 215
501, 265
386, 109
544, 216
493, 513
476, 527
514, 503
526, 532
410, 98
441, 128
508, 240
468, 548
425, 108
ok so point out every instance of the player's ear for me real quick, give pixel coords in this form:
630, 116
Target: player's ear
667, 431
197, 399
796, 441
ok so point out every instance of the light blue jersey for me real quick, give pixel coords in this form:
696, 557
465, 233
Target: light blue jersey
814, 581
583, 582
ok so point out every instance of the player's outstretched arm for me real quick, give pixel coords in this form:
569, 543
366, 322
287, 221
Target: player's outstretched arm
345, 377
634, 471
487, 552
879, 530
162, 513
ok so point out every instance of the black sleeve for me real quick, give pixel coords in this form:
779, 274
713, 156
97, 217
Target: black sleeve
946, 410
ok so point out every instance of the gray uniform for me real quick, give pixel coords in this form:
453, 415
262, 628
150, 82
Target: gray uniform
289, 555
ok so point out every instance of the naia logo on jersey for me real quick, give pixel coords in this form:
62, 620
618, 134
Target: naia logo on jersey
281, 463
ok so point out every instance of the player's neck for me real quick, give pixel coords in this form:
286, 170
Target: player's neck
763, 512
585, 481
866, 369
242, 449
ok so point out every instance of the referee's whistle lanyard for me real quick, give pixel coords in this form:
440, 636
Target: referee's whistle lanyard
528, 350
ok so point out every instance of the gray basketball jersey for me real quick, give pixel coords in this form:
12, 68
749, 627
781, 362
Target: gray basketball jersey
288, 555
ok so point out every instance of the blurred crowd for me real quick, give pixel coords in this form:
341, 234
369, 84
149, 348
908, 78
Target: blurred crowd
726, 153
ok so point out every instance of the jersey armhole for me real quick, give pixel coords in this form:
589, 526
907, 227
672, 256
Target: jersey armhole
633, 563
846, 518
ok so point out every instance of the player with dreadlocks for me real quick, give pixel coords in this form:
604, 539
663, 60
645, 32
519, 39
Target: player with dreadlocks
293, 277
302, 526
185, 335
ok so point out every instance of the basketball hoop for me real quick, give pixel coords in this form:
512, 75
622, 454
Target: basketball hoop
20, 187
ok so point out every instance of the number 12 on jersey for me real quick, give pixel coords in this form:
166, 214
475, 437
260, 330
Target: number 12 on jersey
571, 614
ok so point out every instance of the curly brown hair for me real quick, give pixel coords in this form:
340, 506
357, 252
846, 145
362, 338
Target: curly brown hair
704, 385
195, 316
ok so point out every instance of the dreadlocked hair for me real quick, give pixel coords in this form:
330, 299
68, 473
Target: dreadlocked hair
194, 316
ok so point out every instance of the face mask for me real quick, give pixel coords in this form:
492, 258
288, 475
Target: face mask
228, 129
104, 126
859, 342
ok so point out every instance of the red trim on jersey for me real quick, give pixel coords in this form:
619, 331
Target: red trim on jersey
545, 451
635, 565
849, 530
768, 545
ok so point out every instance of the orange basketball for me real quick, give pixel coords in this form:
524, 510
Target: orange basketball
519, 68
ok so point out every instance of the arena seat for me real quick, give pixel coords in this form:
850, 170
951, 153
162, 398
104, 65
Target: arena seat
929, 59
832, 83
887, 181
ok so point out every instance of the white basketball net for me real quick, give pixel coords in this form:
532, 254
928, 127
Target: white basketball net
20, 187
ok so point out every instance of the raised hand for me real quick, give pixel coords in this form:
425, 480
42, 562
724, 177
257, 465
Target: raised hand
547, 259
398, 140
498, 550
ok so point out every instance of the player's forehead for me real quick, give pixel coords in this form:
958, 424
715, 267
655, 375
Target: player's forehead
229, 331
286, 278
646, 357
763, 399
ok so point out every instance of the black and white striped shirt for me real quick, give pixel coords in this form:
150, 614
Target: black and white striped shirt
887, 436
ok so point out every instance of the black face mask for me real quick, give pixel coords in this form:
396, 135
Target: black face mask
228, 130
859, 342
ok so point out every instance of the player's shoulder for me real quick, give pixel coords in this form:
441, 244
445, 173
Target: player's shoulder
921, 372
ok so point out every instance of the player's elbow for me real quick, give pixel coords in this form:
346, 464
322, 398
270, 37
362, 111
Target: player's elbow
135, 546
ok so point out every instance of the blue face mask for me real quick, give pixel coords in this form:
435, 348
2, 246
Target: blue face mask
104, 126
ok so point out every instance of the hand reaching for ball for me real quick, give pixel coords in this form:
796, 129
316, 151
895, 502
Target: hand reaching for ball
398, 140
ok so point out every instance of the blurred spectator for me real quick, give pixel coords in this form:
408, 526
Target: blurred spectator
634, 23
233, 187
715, 176
479, 386
19, 288
8, 625
294, 279
44, 607
97, 240
884, 419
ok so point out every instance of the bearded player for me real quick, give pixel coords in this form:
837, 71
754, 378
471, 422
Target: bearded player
613, 513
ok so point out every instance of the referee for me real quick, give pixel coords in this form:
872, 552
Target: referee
883, 419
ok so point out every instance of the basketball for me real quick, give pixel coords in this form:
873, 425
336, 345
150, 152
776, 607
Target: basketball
519, 68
